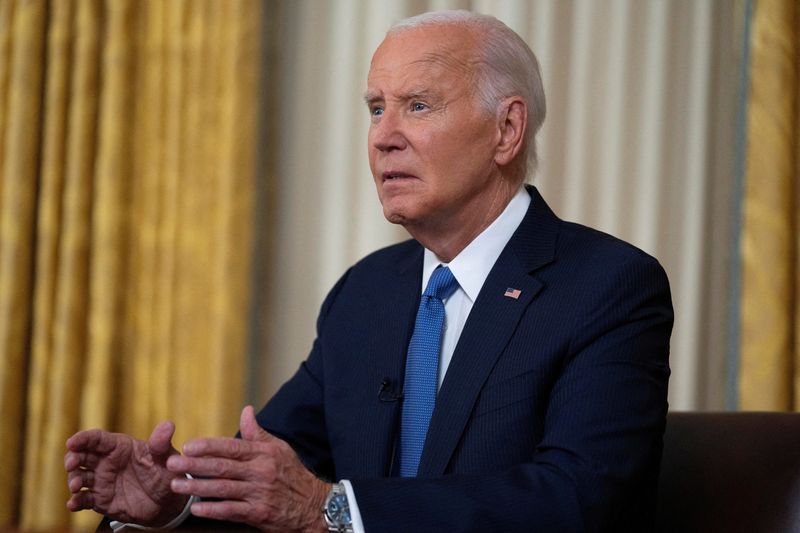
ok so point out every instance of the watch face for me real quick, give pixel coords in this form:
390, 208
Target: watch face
338, 509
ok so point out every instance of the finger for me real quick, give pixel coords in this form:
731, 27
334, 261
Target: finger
74, 460
209, 466
233, 511
249, 428
160, 441
225, 489
80, 479
81, 500
94, 440
219, 447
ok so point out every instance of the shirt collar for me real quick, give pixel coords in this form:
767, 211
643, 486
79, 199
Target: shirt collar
471, 267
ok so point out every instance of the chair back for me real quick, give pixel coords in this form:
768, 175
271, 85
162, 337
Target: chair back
730, 472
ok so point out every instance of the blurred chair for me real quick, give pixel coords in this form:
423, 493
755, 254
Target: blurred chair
730, 472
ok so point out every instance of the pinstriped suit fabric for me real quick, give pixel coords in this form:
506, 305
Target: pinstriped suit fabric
550, 416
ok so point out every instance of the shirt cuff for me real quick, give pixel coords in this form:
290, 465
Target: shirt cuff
355, 514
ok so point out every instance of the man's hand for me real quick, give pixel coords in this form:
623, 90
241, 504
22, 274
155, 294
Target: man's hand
122, 477
258, 480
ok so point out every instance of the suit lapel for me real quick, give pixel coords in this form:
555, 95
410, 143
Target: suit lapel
491, 323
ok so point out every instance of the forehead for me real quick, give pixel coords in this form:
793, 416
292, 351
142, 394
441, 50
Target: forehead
428, 52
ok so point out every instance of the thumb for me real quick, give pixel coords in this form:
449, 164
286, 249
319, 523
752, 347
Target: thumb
249, 427
160, 441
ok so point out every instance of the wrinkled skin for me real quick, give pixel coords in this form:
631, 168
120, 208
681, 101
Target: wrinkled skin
258, 479
123, 477
444, 165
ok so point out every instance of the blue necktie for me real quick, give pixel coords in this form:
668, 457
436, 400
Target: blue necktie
422, 369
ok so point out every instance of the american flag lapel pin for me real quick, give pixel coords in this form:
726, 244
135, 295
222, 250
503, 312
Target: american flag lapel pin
512, 293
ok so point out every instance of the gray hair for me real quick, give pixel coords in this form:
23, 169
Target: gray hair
508, 67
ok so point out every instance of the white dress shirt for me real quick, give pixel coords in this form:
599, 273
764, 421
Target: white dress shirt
471, 267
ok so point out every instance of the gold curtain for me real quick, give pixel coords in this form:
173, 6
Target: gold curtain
769, 377
127, 134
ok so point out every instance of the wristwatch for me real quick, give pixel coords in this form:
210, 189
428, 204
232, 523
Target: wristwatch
336, 510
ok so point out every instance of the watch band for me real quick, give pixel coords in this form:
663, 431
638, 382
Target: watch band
336, 510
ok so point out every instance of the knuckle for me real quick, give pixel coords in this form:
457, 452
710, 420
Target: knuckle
227, 489
237, 447
218, 467
267, 514
269, 472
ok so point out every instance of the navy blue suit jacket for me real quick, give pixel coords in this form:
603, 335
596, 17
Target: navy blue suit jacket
550, 416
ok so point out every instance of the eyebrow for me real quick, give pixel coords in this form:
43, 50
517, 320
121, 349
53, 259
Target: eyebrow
372, 97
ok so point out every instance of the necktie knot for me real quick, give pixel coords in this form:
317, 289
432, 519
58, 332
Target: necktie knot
442, 283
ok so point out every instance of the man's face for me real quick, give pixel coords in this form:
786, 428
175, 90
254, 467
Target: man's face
431, 143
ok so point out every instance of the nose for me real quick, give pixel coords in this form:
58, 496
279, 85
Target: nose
386, 132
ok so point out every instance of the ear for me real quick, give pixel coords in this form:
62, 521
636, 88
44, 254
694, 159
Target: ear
512, 121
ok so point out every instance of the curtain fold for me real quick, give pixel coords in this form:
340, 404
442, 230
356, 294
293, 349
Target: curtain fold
54, 393
23, 47
127, 153
769, 375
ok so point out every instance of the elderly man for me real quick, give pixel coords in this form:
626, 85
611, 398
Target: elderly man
502, 371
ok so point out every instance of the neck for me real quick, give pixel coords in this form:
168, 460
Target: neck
447, 238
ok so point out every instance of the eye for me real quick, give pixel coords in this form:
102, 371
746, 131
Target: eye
376, 111
418, 106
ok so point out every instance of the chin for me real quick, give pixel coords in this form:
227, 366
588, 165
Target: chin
398, 214
402, 211
395, 217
